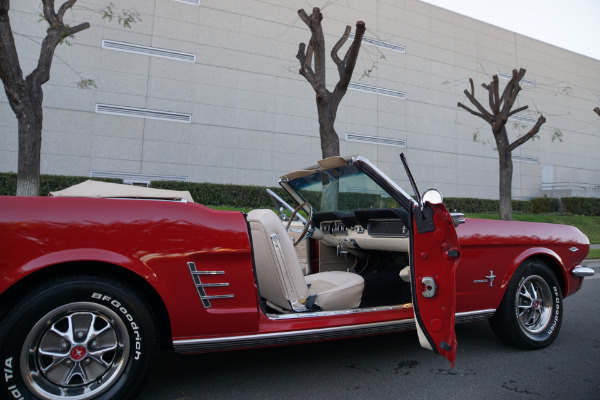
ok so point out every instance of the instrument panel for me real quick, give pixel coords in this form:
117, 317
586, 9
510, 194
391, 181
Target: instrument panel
380, 229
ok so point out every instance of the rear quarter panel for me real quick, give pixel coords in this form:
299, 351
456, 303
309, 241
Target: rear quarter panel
154, 239
501, 246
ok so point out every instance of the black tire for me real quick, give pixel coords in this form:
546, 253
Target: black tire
83, 336
530, 314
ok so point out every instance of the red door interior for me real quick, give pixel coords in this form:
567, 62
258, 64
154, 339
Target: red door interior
435, 256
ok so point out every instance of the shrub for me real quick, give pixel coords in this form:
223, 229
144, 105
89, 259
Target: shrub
215, 194
48, 183
544, 205
581, 205
471, 205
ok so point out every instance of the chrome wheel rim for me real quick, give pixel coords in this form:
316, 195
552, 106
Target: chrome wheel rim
534, 305
75, 352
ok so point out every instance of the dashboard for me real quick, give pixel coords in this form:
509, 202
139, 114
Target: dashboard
386, 229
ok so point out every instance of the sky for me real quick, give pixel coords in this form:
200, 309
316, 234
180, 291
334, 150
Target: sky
571, 24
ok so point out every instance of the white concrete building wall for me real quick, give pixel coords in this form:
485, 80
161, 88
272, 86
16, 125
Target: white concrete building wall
245, 116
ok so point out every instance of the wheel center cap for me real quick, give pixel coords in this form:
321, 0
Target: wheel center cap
536, 304
77, 353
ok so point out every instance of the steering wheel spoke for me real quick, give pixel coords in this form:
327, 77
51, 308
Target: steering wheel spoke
308, 229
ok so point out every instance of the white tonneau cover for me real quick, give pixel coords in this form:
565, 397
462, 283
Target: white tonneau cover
97, 189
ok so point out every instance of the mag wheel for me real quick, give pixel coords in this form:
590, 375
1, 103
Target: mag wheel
530, 313
78, 338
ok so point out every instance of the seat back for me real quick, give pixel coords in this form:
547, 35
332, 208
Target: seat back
279, 274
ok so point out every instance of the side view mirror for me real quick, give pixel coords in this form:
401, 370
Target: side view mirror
432, 196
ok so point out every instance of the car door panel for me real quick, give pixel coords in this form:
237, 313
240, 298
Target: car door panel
435, 256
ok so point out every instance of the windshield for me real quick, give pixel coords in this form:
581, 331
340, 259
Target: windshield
343, 189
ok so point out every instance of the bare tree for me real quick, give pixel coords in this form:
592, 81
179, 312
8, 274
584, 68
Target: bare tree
497, 117
25, 95
312, 67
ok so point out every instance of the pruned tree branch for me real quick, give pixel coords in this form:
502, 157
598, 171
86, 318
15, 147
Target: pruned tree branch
483, 113
305, 57
304, 16
496, 107
518, 110
532, 132
490, 89
346, 67
315, 75
56, 33
461, 105
63, 8
338, 46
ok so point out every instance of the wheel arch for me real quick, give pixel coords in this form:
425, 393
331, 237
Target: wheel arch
551, 261
99, 269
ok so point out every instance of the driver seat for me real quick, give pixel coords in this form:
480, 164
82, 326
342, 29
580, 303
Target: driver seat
280, 278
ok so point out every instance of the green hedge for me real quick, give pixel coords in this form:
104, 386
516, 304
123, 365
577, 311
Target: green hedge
8, 184
225, 195
256, 197
472, 205
48, 183
544, 205
589, 206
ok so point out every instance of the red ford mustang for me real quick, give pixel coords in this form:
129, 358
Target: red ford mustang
91, 288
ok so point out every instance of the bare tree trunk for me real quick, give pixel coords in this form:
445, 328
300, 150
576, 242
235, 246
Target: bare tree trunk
506, 171
30, 144
330, 142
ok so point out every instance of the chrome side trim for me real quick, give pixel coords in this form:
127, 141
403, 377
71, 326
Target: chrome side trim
205, 298
285, 278
337, 312
270, 339
581, 271
470, 316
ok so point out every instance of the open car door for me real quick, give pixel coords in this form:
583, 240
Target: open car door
434, 258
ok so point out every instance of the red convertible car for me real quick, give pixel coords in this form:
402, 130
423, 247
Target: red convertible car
94, 281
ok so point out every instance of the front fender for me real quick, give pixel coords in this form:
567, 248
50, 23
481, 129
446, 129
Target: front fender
14, 275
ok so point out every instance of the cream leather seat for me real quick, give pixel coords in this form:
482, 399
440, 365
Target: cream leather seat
280, 277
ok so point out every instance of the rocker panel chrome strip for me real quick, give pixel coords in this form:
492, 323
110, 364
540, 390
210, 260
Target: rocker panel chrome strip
271, 339
470, 316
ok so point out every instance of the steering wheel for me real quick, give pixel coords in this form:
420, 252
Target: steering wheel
307, 231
